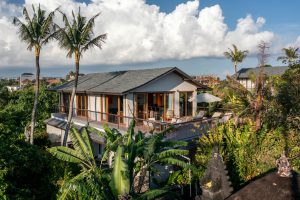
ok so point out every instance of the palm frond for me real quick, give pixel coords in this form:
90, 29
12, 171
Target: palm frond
97, 41
120, 175
174, 161
66, 154
81, 145
172, 152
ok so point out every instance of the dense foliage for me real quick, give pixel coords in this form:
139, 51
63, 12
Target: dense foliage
133, 157
27, 171
247, 152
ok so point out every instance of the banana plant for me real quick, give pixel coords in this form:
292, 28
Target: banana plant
91, 182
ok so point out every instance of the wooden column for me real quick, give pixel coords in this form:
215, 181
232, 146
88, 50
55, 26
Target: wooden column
101, 107
165, 105
86, 106
77, 97
119, 110
146, 105
106, 107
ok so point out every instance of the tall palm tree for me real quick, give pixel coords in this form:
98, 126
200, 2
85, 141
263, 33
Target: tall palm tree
290, 55
77, 37
236, 56
35, 32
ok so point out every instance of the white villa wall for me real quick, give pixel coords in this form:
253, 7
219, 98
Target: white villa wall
56, 135
247, 83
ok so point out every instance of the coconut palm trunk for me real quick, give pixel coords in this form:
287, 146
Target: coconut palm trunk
71, 106
36, 93
235, 70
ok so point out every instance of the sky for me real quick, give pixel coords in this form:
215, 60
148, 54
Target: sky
191, 35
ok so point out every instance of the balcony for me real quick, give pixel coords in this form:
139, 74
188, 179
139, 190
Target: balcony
186, 128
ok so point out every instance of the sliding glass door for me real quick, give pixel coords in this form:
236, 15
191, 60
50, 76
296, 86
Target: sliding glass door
82, 105
185, 104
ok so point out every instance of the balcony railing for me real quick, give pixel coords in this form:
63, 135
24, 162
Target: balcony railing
122, 122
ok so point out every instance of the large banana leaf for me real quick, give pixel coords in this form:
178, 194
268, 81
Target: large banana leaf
120, 175
66, 154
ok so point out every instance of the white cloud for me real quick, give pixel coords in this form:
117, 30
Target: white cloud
137, 32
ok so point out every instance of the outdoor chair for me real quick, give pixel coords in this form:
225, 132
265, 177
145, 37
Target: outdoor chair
216, 115
177, 122
169, 114
174, 120
200, 114
152, 124
226, 117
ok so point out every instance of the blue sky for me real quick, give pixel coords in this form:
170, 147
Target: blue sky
281, 19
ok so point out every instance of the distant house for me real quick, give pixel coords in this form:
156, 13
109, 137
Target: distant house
26, 78
148, 96
52, 80
244, 74
208, 80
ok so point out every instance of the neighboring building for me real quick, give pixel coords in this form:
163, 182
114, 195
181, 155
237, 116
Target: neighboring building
26, 78
13, 88
244, 74
117, 97
52, 80
208, 80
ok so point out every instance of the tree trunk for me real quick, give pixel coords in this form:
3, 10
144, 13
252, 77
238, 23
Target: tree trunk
259, 100
71, 106
141, 181
235, 70
36, 93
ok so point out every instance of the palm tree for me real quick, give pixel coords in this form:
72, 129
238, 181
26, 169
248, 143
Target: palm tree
77, 37
290, 55
35, 32
236, 56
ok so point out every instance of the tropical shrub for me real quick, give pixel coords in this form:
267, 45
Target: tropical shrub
134, 156
246, 152
27, 172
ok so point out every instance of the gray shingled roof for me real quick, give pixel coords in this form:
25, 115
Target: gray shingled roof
62, 125
118, 82
244, 73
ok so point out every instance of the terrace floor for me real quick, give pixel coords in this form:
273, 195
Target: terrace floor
187, 131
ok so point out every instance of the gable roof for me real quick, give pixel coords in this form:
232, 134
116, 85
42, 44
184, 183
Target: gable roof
120, 82
244, 73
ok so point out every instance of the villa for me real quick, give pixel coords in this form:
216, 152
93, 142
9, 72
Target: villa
152, 97
244, 75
